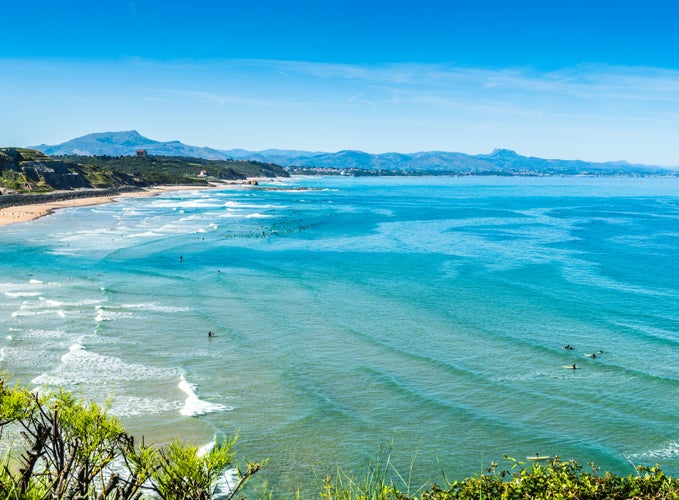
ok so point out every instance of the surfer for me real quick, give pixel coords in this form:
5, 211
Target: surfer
568, 347
210, 334
575, 367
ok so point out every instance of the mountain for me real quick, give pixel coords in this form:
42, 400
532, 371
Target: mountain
125, 144
498, 162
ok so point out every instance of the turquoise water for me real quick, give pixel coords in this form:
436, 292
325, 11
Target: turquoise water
425, 314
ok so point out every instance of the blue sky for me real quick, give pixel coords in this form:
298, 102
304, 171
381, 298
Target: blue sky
572, 79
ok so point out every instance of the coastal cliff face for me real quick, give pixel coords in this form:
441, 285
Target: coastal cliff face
31, 171
28, 170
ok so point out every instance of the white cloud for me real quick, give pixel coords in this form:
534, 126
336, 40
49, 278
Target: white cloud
592, 112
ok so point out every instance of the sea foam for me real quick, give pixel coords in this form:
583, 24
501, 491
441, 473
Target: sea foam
193, 405
666, 451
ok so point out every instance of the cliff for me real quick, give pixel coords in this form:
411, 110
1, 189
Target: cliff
27, 170
30, 171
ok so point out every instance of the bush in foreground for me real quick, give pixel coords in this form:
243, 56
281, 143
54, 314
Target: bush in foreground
58, 447
552, 480
61, 448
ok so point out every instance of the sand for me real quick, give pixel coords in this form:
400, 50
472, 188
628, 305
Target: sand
24, 213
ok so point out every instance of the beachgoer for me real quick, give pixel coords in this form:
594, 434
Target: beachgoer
181, 258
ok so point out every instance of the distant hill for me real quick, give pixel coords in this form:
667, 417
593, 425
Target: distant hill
126, 144
499, 162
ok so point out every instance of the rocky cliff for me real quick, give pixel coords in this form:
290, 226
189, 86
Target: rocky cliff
30, 170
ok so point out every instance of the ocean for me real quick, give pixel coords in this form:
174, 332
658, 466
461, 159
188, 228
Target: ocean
425, 317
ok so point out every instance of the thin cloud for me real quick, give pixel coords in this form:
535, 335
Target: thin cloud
220, 99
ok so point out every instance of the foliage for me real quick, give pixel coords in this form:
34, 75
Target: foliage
12, 180
554, 480
178, 169
60, 447
63, 448
26, 170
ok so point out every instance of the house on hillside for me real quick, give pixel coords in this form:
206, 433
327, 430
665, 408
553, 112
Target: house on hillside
203, 173
142, 153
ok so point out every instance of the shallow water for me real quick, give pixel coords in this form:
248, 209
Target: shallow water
425, 314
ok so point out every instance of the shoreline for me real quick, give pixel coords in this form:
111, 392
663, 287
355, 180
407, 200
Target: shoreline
32, 211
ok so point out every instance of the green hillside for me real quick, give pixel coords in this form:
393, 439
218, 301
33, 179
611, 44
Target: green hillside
154, 168
31, 171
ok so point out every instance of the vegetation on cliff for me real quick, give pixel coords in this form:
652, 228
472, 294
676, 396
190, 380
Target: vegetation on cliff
27, 170
153, 168
30, 171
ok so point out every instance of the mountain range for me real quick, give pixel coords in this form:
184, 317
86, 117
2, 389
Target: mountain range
498, 162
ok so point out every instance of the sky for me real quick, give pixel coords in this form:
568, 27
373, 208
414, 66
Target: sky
591, 80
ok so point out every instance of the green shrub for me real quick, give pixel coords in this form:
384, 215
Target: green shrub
73, 450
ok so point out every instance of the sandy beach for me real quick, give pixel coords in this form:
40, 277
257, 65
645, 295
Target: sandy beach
24, 213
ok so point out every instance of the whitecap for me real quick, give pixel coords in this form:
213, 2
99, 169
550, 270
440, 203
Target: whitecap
47, 379
155, 307
80, 366
44, 334
109, 315
43, 312
21, 294
666, 451
71, 350
235, 204
174, 204
193, 405
145, 234
79, 303
130, 406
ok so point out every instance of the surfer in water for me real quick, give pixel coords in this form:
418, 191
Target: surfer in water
568, 347
210, 334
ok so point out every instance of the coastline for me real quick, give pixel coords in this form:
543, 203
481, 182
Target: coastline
28, 212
